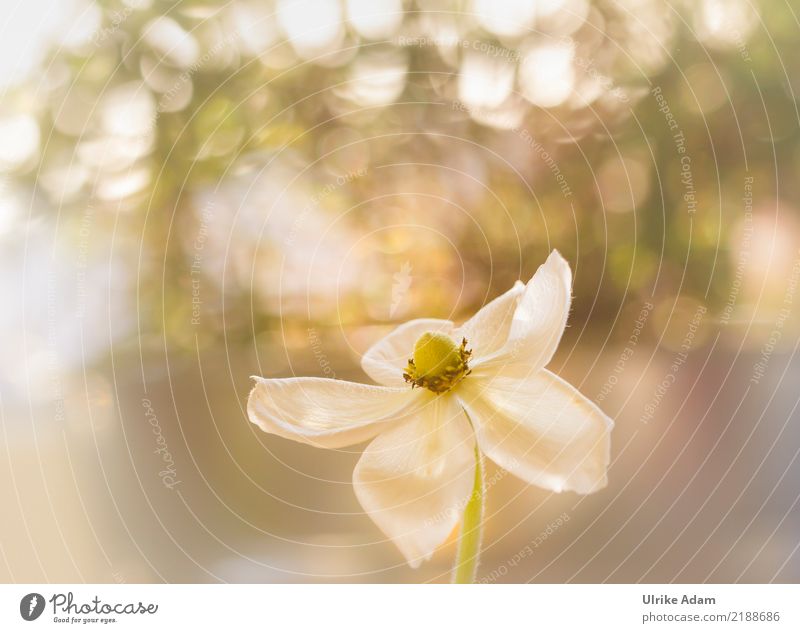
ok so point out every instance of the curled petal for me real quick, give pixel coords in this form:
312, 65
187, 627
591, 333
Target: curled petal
487, 331
539, 318
415, 479
540, 428
386, 360
325, 412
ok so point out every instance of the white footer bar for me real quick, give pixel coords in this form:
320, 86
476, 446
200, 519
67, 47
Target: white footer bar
401, 608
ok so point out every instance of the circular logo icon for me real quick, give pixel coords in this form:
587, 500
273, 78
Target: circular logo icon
31, 606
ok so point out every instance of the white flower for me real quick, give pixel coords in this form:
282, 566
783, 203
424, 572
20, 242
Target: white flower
416, 476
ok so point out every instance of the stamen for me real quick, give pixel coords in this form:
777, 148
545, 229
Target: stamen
438, 363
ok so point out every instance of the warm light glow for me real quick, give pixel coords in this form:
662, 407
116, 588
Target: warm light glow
171, 42
124, 184
547, 75
23, 47
312, 26
725, 22
377, 79
375, 19
484, 82
128, 110
254, 26
509, 18
9, 211
86, 18
20, 140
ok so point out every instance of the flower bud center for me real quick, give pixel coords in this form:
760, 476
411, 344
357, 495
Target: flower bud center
438, 363
433, 353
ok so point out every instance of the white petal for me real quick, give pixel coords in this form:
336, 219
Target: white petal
386, 361
415, 479
325, 412
540, 318
539, 428
487, 331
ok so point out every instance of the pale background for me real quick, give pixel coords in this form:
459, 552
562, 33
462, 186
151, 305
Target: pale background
195, 192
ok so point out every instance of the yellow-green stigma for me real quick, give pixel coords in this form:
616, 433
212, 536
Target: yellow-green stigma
438, 364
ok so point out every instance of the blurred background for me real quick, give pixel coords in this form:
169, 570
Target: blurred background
195, 192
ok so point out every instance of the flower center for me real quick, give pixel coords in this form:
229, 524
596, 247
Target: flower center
438, 364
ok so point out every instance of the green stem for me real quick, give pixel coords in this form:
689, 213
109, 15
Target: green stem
469, 541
